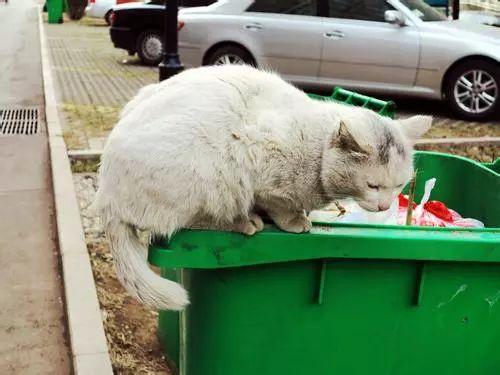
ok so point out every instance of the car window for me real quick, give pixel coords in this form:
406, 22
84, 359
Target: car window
301, 7
366, 10
423, 11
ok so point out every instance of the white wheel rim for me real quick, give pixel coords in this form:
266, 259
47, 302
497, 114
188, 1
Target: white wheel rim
152, 47
475, 91
229, 58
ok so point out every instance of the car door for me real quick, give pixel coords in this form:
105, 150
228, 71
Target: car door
361, 50
286, 35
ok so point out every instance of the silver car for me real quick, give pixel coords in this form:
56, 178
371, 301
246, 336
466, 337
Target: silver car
394, 47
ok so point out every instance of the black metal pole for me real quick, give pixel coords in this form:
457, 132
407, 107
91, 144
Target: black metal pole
171, 64
455, 9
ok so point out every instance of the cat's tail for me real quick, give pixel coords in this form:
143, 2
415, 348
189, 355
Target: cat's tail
130, 258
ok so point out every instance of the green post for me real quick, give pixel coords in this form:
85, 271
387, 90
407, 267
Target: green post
55, 10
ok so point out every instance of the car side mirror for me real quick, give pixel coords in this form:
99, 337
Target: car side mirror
395, 17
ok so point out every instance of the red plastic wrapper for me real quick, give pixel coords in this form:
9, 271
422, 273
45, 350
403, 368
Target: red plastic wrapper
433, 213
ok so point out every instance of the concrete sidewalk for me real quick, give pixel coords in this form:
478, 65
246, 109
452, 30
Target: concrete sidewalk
93, 80
33, 338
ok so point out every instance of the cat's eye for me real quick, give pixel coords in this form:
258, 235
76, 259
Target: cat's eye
374, 187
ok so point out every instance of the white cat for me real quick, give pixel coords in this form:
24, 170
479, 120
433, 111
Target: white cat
207, 146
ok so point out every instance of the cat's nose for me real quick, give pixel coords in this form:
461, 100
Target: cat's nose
383, 207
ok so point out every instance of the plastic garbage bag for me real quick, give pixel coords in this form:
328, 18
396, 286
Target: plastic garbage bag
427, 213
358, 215
355, 214
433, 213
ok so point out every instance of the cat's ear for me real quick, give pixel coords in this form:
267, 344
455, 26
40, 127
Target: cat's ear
414, 127
344, 140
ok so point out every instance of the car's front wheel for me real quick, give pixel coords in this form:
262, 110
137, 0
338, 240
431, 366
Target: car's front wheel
230, 54
150, 47
473, 90
107, 17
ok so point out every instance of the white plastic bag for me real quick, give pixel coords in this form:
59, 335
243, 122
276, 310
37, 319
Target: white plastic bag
396, 214
356, 214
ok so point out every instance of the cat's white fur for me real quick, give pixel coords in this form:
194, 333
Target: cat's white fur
206, 146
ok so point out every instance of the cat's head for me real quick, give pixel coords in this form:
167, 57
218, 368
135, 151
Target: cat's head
370, 158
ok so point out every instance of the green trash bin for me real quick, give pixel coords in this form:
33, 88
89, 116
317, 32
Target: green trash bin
55, 10
344, 299
352, 98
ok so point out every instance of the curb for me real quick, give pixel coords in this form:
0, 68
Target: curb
87, 338
473, 141
85, 154
90, 154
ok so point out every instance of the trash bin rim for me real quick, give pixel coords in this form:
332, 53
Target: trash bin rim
212, 249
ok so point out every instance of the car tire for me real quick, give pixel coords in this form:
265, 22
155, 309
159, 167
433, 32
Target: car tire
473, 90
150, 47
107, 17
230, 55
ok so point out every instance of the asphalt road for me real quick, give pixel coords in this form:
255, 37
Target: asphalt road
20, 77
33, 336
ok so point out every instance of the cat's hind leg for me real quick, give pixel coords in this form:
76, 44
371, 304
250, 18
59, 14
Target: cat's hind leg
285, 214
294, 221
249, 225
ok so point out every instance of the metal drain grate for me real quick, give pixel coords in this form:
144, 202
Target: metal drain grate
19, 121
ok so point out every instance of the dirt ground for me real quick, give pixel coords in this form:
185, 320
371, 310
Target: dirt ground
484, 154
130, 328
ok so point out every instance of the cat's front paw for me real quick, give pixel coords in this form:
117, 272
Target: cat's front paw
253, 225
256, 220
297, 224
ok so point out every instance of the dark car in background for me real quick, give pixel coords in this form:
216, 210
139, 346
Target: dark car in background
138, 27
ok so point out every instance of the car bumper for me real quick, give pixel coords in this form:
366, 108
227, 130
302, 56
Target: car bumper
123, 37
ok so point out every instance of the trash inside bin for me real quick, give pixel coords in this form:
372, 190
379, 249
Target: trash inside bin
344, 298
430, 213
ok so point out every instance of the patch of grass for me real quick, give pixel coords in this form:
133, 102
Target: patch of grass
463, 129
109, 72
74, 139
484, 154
85, 166
96, 118
87, 121
88, 21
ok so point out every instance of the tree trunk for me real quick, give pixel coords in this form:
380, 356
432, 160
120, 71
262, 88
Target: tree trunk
76, 9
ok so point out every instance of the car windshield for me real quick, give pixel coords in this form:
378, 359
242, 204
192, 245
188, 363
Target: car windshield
423, 11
